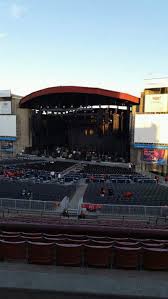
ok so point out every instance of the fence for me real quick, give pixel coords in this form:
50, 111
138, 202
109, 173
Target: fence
23, 204
111, 210
134, 210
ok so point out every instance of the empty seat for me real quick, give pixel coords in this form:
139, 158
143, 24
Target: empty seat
73, 241
76, 237
41, 253
14, 250
155, 259
11, 238
98, 238
127, 244
152, 245
128, 258
31, 238
35, 235
68, 254
56, 236
9, 233
54, 240
100, 243
98, 256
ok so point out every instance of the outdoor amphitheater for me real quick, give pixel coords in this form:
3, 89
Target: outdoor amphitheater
76, 206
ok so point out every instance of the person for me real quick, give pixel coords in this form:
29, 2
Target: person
157, 179
102, 192
129, 166
82, 215
166, 178
65, 213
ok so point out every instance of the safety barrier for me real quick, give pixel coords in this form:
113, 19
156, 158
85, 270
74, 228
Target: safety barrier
23, 204
136, 210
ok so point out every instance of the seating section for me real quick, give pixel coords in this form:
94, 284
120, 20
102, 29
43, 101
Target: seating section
34, 171
57, 166
99, 169
44, 192
148, 194
84, 250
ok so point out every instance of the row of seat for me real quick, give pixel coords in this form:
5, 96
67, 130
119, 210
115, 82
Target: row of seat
82, 239
44, 192
85, 255
148, 194
102, 169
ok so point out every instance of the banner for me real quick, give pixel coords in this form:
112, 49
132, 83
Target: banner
156, 156
5, 107
6, 146
156, 103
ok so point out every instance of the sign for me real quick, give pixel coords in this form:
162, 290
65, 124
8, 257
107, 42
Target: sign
157, 156
156, 103
5, 93
151, 128
5, 107
7, 125
7, 138
149, 146
6, 146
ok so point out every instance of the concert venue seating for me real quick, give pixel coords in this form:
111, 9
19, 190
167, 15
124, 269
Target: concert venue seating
84, 250
46, 192
57, 166
103, 169
142, 194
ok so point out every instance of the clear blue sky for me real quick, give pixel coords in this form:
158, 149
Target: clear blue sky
113, 44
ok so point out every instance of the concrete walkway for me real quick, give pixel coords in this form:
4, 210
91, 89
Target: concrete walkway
80, 191
68, 280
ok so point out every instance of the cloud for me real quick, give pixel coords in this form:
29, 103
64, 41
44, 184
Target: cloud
3, 35
17, 11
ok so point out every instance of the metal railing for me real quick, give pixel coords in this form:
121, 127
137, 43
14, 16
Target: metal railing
134, 210
31, 205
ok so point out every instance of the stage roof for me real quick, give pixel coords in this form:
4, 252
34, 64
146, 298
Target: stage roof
68, 96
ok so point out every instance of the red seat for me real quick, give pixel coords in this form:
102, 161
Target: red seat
153, 245
128, 258
54, 240
76, 237
56, 236
100, 243
68, 254
73, 241
10, 233
97, 238
11, 238
127, 244
34, 235
32, 238
98, 256
14, 250
41, 253
155, 259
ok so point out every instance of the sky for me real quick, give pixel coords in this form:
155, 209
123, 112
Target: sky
101, 43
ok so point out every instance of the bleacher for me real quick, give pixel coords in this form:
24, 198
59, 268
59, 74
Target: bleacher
84, 250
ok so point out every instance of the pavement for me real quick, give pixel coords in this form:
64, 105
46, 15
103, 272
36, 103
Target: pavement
90, 281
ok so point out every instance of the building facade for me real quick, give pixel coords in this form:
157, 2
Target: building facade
149, 134
15, 132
